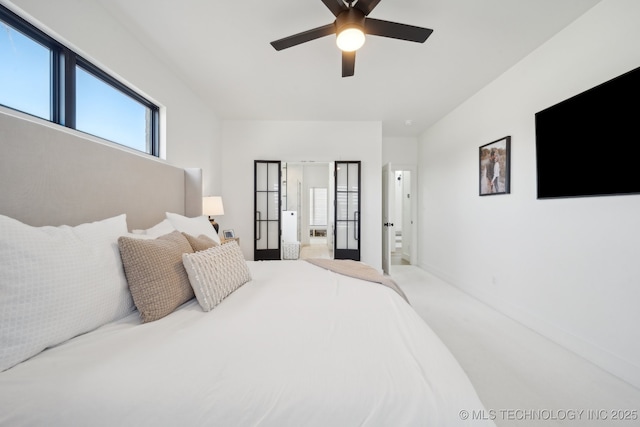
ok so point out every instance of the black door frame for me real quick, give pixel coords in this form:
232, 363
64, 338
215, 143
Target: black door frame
263, 221
352, 224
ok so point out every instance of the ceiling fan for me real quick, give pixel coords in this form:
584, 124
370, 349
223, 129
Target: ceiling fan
350, 26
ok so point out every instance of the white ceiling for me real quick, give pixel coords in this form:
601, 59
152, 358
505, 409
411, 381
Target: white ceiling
221, 49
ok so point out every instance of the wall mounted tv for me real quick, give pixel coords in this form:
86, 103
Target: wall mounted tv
587, 144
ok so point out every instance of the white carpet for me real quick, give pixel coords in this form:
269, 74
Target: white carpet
523, 378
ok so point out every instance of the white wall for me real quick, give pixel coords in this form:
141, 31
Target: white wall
246, 141
191, 132
399, 150
567, 268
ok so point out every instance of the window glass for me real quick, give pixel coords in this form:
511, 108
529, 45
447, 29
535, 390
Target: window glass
25, 73
104, 111
40, 76
318, 206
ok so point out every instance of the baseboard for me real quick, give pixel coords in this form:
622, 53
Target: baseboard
619, 367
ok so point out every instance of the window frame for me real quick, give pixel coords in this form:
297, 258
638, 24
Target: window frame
63, 62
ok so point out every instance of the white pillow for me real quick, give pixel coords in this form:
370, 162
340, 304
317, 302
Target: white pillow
160, 229
193, 226
215, 273
56, 283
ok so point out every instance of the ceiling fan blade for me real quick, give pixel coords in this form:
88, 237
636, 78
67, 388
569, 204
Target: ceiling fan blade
348, 63
366, 6
335, 6
395, 30
304, 37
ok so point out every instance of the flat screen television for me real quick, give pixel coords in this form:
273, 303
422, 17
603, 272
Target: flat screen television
587, 145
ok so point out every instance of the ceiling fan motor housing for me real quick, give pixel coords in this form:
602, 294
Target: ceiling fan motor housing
350, 18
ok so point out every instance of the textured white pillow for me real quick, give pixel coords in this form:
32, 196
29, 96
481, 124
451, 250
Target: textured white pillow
160, 229
193, 226
56, 283
215, 273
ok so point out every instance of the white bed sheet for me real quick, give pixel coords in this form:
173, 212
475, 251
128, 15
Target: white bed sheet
296, 346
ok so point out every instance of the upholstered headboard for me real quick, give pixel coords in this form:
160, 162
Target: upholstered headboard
52, 176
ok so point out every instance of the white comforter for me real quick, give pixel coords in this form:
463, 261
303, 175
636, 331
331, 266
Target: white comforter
296, 346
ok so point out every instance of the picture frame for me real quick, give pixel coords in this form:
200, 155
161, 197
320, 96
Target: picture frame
229, 234
495, 167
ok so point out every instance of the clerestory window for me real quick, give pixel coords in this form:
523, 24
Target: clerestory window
43, 78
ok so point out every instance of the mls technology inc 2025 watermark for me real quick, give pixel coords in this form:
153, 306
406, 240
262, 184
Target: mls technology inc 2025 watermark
551, 414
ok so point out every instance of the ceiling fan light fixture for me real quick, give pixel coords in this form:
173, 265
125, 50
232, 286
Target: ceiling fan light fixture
350, 39
350, 26
350, 30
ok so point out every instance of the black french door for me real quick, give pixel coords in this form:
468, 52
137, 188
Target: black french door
267, 212
347, 210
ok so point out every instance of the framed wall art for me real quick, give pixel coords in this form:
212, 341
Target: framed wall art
495, 167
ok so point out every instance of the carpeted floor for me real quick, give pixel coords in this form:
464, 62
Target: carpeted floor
523, 378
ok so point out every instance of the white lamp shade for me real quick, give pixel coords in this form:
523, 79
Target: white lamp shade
212, 206
350, 39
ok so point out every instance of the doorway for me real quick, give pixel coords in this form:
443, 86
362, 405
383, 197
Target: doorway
399, 230
307, 209
307, 204
401, 214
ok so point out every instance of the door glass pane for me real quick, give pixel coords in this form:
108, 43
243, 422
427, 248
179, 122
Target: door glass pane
274, 235
352, 241
352, 207
261, 243
273, 206
341, 177
262, 205
25, 73
104, 111
273, 176
341, 235
353, 176
341, 207
261, 177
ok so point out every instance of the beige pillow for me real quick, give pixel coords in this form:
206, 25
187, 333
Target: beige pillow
216, 272
156, 276
201, 242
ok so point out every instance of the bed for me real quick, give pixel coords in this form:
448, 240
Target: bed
289, 344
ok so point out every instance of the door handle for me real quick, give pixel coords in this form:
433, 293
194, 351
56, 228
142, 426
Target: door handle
258, 220
388, 224
356, 225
